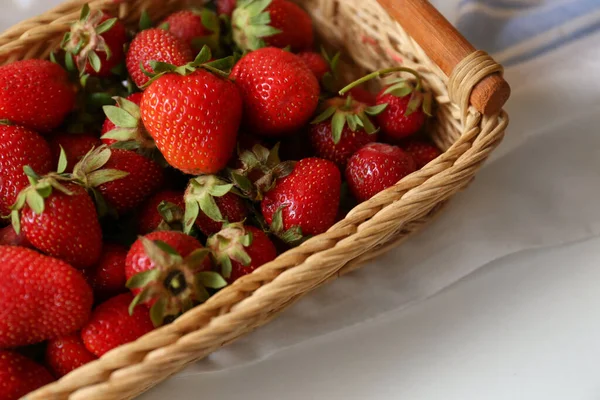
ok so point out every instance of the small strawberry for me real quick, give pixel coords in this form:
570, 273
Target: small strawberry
376, 167
19, 375
123, 178
195, 130
75, 146
195, 28
42, 297
66, 353
422, 152
109, 126
19, 147
226, 7
169, 271
343, 128
240, 249
280, 93
8, 237
161, 211
154, 45
107, 278
324, 67
111, 325
277, 23
316, 63
36, 94
96, 40
305, 200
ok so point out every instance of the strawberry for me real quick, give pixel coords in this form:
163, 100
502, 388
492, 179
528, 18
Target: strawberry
75, 146
36, 94
111, 325
376, 167
96, 40
231, 207
195, 28
19, 147
195, 130
135, 179
19, 375
169, 271
363, 95
107, 278
280, 93
316, 63
422, 152
59, 220
240, 249
109, 126
343, 128
155, 45
277, 23
42, 297
8, 237
66, 353
305, 200
226, 7
161, 211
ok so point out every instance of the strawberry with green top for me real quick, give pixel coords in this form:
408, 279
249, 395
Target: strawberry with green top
75, 146
194, 27
66, 353
163, 211
19, 375
194, 129
96, 41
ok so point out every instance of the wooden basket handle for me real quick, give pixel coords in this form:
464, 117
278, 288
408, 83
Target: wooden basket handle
446, 47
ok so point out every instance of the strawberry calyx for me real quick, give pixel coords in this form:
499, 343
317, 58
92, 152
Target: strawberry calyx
331, 78
292, 236
85, 39
211, 22
199, 196
250, 23
129, 131
230, 244
172, 217
260, 170
344, 111
175, 285
400, 88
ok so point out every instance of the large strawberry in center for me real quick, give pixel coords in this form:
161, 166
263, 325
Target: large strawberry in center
193, 113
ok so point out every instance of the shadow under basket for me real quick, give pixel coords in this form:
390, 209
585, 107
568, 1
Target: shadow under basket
468, 125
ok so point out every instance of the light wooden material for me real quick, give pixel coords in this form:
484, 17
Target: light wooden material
372, 39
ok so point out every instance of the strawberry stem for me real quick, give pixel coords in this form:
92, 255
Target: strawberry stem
379, 73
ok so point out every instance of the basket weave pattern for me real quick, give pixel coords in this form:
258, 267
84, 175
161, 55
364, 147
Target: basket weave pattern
372, 40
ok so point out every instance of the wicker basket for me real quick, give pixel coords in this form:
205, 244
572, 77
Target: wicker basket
372, 39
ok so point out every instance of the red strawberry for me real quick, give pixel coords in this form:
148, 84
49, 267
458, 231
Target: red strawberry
8, 237
63, 222
241, 249
75, 145
96, 40
19, 147
42, 297
36, 94
316, 63
280, 93
110, 325
232, 208
363, 95
188, 26
66, 353
394, 121
108, 125
155, 45
422, 152
151, 218
376, 167
195, 130
167, 271
308, 198
226, 7
107, 278
277, 23
19, 375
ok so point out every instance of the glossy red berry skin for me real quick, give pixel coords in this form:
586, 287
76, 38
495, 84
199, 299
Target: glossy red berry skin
186, 26
350, 141
19, 375
261, 251
422, 152
393, 121
67, 353
294, 23
107, 278
149, 218
316, 63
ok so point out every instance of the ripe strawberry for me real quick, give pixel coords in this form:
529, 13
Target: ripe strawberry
226, 7
277, 23
280, 93
376, 167
66, 353
422, 152
240, 249
109, 126
75, 146
195, 28
19, 375
8, 237
96, 40
316, 63
42, 297
151, 218
396, 122
308, 198
169, 271
19, 147
60, 220
195, 130
107, 278
111, 325
36, 94
155, 45
232, 208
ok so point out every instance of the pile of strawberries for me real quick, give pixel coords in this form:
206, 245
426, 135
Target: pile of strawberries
141, 171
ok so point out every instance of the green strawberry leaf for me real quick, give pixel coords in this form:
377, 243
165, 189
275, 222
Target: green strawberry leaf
85, 12
210, 279
157, 311
62, 161
192, 210
376, 110
142, 279
145, 21
106, 26
337, 126
94, 61
325, 115
102, 176
120, 117
209, 207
